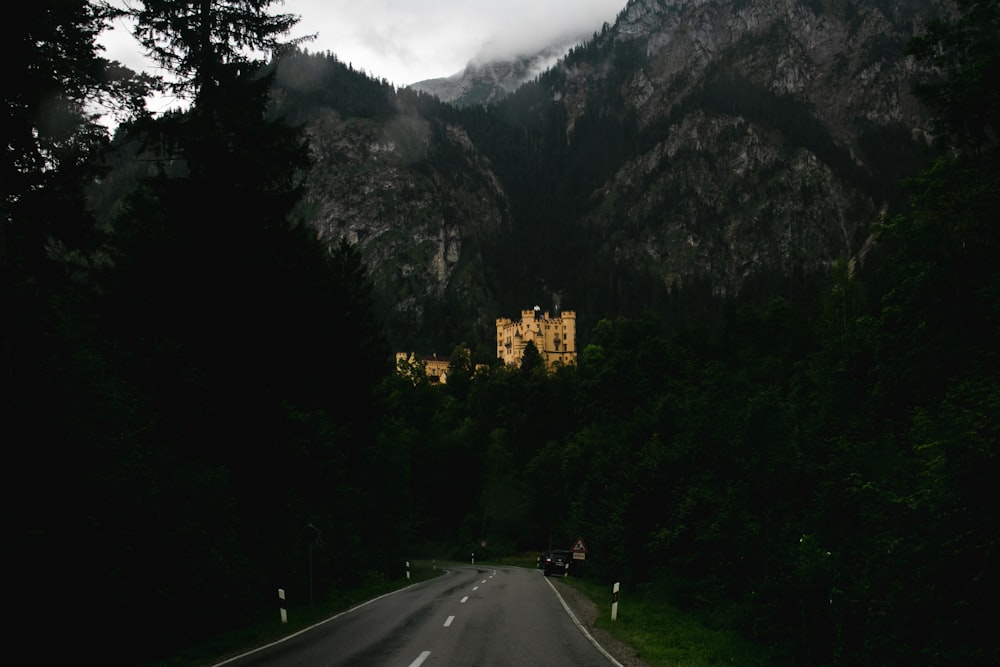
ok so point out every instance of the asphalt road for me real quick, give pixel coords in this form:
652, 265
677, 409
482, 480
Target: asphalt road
470, 616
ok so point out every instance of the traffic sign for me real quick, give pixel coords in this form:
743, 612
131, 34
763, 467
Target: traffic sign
579, 549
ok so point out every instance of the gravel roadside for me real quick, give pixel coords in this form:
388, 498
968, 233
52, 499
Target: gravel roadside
586, 612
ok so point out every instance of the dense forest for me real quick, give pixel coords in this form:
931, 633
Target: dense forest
192, 381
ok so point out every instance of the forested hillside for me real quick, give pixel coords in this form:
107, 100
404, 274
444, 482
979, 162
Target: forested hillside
194, 378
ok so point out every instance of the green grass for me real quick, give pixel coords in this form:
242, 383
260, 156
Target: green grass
271, 629
665, 636
527, 559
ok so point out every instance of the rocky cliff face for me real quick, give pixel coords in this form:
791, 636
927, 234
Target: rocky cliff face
842, 57
721, 142
778, 111
404, 185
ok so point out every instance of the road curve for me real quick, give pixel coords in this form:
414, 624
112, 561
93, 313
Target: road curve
471, 615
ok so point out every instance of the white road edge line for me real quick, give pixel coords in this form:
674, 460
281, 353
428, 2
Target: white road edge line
580, 625
316, 625
448, 622
420, 659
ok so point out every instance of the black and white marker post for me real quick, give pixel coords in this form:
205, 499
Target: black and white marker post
614, 601
281, 605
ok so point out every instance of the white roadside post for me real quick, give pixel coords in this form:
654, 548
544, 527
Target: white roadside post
473, 558
614, 601
407, 569
281, 603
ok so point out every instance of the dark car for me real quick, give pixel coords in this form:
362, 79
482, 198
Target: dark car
557, 562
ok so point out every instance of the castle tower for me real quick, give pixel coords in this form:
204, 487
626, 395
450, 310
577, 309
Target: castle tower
553, 336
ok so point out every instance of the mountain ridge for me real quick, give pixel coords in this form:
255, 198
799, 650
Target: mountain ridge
485, 80
705, 148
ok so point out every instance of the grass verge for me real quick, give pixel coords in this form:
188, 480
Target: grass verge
665, 636
271, 629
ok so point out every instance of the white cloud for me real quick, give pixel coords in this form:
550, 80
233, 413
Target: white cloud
410, 40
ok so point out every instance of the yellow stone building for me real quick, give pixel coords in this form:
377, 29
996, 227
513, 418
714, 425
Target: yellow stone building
436, 367
554, 337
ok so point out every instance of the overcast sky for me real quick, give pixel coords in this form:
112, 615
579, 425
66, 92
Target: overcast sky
406, 41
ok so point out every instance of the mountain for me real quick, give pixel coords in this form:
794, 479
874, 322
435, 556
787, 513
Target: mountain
769, 135
694, 152
486, 80
397, 176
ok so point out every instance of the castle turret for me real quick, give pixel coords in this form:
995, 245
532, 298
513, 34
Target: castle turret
553, 336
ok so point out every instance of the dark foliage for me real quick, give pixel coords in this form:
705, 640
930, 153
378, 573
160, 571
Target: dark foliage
183, 364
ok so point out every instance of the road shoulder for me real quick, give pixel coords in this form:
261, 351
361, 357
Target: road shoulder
586, 611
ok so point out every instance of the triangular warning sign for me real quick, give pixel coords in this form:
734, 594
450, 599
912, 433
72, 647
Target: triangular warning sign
580, 546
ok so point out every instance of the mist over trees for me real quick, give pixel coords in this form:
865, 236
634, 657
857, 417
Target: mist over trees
193, 380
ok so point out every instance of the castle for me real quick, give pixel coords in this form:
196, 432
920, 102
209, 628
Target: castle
554, 337
436, 367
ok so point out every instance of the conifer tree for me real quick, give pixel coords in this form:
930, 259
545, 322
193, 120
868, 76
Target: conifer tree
58, 407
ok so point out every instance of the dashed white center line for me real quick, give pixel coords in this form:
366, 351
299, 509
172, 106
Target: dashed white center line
483, 581
420, 659
448, 622
464, 599
475, 588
